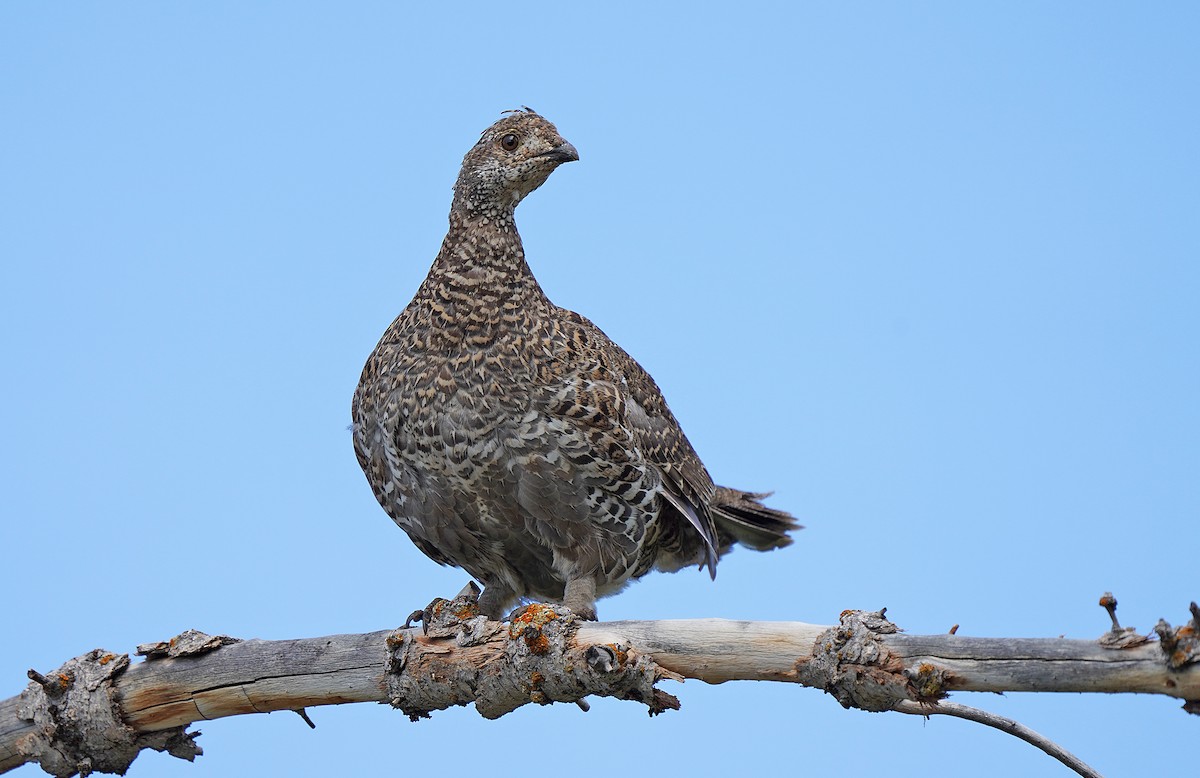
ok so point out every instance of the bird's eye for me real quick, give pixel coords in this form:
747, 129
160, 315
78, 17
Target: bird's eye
508, 142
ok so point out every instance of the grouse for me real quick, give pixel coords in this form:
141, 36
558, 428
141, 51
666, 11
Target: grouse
511, 438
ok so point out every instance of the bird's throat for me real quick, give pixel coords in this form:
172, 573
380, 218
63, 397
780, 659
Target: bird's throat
480, 276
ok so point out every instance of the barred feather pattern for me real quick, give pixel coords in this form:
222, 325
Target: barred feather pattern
513, 439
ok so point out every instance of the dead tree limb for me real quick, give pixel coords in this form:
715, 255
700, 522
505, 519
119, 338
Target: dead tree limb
97, 711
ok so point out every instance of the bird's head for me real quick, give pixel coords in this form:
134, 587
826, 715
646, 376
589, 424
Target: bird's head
512, 158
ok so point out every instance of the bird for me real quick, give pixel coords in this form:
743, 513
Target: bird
512, 438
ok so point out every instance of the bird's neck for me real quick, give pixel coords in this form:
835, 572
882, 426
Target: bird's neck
482, 264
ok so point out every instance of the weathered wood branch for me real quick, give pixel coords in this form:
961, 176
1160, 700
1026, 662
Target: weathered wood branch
98, 711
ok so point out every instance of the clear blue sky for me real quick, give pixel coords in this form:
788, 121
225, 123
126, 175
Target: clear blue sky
931, 271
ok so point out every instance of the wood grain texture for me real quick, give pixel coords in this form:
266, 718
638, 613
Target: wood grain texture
259, 676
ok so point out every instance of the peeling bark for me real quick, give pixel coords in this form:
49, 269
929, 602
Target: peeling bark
96, 712
76, 720
535, 657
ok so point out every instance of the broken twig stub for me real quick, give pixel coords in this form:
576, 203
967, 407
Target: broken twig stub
77, 720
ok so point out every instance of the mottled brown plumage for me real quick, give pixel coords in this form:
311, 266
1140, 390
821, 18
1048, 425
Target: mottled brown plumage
512, 438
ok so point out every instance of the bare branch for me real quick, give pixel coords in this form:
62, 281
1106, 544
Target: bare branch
1004, 724
543, 655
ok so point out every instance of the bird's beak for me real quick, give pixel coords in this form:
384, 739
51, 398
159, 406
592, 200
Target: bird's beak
563, 153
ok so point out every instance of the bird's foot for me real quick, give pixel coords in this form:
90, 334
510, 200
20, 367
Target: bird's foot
464, 606
584, 613
417, 615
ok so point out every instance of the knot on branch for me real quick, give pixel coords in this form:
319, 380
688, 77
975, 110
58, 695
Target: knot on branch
851, 662
1181, 645
78, 721
462, 657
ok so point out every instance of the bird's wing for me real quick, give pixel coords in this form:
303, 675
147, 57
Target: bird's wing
686, 485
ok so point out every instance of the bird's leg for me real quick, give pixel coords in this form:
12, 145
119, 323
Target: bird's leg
580, 597
495, 600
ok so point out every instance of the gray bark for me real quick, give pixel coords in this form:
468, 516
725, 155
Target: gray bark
544, 655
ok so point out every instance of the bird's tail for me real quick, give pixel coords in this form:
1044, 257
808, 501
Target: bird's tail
741, 518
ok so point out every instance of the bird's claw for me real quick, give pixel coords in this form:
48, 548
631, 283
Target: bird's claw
469, 593
417, 615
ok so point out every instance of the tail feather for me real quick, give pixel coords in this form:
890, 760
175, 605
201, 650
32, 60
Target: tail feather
741, 518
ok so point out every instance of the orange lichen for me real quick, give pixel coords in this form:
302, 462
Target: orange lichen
928, 681
537, 642
535, 615
621, 654
528, 625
